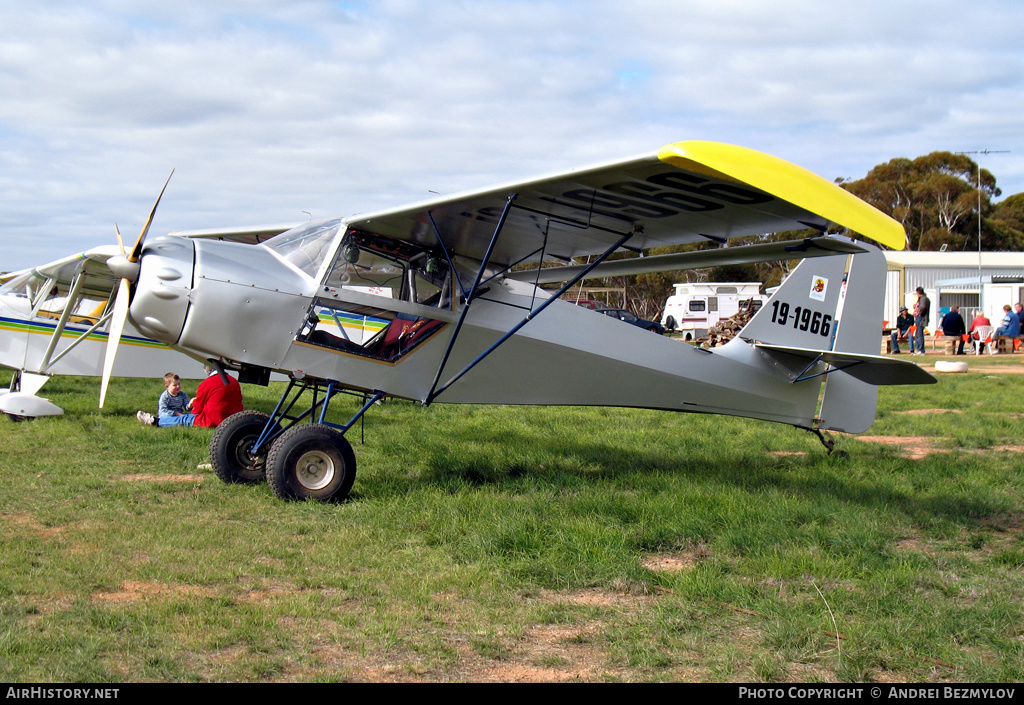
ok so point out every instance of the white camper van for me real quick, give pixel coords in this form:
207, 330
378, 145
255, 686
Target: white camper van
696, 307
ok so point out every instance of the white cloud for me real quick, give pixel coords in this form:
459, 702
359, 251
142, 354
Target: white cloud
271, 108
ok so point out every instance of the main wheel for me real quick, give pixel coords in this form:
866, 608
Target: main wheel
312, 461
231, 444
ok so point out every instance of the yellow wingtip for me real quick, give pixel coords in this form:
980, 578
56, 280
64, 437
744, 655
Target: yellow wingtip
789, 182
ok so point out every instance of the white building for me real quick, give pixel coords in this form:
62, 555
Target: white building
954, 279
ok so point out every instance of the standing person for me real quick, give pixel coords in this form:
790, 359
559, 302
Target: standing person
953, 326
903, 323
215, 401
922, 308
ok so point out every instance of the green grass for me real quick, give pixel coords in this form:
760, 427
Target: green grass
505, 543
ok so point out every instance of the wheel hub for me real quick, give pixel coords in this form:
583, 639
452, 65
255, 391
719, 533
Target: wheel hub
315, 470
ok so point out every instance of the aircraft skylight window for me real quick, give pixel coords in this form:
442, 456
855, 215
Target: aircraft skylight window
306, 246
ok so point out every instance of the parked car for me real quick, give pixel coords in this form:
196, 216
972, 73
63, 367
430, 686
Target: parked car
592, 304
624, 315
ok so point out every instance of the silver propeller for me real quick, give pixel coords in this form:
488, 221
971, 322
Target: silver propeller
127, 267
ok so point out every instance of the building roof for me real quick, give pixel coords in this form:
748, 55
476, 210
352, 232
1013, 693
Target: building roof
908, 258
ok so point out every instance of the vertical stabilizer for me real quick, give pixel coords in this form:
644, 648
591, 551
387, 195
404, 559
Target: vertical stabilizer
804, 310
821, 312
849, 404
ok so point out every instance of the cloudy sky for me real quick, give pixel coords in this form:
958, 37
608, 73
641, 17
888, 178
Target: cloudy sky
269, 110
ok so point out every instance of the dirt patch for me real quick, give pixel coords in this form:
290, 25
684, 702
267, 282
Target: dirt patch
676, 562
163, 478
28, 521
551, 653
1003, 449
915, 412
137, 591
917, 447
913, 447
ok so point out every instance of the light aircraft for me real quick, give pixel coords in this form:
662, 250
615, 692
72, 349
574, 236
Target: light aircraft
454, 286
54, 320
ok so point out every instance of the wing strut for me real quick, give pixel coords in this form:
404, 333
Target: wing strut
470, 295
69, 306
435, 392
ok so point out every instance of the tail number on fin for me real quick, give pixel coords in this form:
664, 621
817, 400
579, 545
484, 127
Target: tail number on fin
802, 319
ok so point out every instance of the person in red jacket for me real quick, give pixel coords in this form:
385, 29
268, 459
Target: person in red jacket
214, 402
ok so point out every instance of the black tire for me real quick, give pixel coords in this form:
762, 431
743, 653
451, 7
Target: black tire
312, 461
230, 444
670, 323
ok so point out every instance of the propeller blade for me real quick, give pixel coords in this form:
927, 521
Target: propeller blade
117, 321
137, 250
123, 299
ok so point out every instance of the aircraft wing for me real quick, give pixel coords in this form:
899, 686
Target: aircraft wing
99, 279
685, 192
93, 261
249, 235
699, 259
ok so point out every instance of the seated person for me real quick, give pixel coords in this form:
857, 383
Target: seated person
953, 325
900, 332
1010, 325
980, 319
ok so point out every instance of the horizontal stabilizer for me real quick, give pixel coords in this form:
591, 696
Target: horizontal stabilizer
873, 369
700, 259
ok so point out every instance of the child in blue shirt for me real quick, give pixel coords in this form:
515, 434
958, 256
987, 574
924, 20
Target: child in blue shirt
173, 402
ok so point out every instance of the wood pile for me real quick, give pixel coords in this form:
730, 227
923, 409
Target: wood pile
724, 331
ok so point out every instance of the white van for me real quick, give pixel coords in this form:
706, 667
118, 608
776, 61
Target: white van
696, 307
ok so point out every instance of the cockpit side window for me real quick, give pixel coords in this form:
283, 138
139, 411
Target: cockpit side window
364, 268
391, 268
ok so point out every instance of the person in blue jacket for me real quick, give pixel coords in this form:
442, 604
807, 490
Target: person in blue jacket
1010, 326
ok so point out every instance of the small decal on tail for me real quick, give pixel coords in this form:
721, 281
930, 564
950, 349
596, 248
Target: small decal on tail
819, 288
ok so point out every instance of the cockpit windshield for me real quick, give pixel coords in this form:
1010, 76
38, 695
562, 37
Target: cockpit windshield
306, 246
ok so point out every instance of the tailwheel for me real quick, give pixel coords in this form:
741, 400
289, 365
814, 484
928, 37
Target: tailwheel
312, 461
830, 445
231, 445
